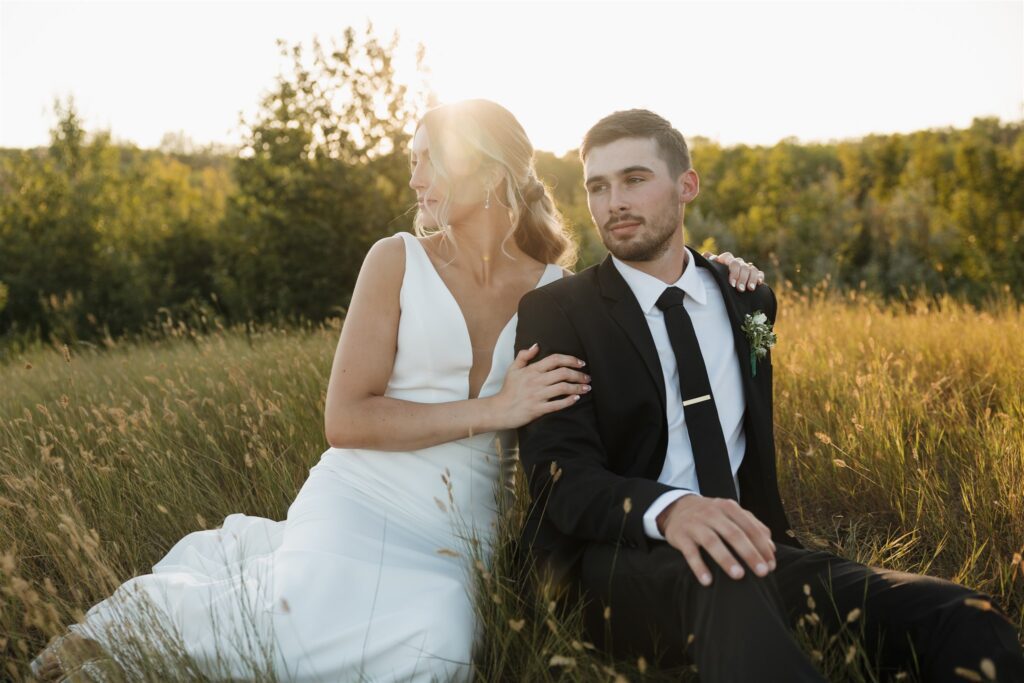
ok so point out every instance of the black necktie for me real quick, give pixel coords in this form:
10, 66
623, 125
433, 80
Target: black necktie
710, 455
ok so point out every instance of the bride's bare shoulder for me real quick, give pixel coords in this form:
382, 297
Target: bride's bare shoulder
385, 258
388, 249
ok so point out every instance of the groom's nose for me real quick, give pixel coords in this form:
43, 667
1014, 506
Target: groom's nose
617, 202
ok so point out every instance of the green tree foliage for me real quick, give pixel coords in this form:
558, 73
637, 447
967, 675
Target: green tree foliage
96, 237
941, 210
322, 175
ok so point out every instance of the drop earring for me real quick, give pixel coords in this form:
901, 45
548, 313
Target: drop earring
487, 199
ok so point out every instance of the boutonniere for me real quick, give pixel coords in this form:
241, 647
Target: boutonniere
759, 334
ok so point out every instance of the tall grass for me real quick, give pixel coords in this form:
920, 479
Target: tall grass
899, 427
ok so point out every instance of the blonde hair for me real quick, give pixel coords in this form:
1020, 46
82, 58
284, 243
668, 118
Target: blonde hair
474, 136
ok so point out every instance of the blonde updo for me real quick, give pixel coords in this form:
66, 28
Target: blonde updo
477, 136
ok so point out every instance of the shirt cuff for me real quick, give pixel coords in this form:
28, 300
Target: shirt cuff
659, 504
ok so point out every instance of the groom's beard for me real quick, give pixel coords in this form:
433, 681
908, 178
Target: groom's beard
650, 242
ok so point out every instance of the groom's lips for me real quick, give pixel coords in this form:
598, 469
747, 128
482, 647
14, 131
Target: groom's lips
619, 228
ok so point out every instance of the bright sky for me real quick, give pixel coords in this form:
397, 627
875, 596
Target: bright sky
734, 72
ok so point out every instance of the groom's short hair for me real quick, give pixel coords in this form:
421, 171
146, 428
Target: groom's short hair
640, 123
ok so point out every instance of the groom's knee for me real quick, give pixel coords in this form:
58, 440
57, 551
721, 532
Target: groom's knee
656, 589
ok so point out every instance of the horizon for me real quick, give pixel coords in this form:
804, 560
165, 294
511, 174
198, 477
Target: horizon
229, 147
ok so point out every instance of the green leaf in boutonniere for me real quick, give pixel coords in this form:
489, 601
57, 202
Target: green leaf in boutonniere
759, 334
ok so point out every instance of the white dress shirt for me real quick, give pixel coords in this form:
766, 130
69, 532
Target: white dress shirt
706, 307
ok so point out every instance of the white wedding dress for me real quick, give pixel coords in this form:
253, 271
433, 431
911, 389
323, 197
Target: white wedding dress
368, 578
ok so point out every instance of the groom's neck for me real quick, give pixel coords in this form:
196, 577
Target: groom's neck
669, 266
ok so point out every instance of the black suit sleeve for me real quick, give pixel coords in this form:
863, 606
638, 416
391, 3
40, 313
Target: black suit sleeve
562, 452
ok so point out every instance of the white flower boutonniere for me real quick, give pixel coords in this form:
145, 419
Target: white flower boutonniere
759, 334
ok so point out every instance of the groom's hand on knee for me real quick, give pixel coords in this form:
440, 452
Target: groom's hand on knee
721, 527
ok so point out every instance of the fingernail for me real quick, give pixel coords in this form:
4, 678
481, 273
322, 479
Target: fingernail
576, 397
772, 565
762, 568
732, 282
582, 363
705, 579
736, 571
534, 346
586, 387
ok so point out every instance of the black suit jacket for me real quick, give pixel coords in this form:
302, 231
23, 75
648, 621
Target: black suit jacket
586, 461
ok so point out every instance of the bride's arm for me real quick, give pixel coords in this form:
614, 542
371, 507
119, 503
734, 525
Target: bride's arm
357, 414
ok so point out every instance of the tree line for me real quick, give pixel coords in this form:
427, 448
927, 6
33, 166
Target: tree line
100, 239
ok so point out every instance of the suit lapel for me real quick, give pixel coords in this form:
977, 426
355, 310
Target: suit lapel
625, 310
740, 339
753, 398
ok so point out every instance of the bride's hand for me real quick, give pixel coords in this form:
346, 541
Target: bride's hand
742, 275
530, 391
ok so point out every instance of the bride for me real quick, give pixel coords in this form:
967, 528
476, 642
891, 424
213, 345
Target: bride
367, 577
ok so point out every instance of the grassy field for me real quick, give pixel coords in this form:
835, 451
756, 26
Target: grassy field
900, 439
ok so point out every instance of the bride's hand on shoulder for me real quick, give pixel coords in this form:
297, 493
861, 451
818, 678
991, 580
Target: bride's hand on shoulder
530, 391
742, 275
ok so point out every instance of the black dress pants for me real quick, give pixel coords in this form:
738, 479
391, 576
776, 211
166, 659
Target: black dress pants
741, 630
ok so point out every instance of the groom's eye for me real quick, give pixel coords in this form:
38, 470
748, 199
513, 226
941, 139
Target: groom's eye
635, 179
596, 187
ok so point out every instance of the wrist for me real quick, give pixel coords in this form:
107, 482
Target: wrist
662, 519
486, 415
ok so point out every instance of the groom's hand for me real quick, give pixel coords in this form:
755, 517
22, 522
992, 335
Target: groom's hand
694, 522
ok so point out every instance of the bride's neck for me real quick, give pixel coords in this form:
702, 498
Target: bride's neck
483, 248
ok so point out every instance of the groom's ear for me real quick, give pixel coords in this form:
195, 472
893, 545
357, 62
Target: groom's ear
688, 185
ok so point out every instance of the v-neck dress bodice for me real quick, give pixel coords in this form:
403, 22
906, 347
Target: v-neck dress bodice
432, 365
435, 353
369, 576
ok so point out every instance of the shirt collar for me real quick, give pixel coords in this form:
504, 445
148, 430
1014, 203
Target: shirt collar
647, 288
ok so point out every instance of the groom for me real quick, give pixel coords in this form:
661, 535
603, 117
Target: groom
655, 495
